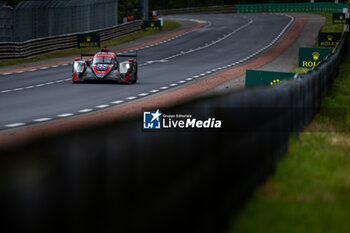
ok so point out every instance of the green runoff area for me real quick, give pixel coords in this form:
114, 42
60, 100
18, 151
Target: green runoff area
310, 190
168, 25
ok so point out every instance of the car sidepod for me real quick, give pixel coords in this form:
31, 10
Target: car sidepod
78, 68
128, 71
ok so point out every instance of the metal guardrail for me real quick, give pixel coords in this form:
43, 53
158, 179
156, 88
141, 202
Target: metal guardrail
13, 50
210, 9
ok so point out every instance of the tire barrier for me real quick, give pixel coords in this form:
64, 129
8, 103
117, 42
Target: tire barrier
15, 50
120, 178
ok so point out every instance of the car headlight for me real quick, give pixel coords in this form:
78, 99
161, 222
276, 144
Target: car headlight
124, 67
78, 67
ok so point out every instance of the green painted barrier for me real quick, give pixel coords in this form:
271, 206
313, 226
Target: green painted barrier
265, 78
310, 57
329, 39
291, 7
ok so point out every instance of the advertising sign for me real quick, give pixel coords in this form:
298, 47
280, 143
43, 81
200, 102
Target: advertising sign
310, 57
152, 25
265, 78
338, 18
88, 40
329, 39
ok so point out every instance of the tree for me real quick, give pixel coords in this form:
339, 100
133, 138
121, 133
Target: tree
127, 8
13, 3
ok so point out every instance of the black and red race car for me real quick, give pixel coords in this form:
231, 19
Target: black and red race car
105, 66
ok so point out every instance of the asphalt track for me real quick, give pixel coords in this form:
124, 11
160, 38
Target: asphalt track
47, 94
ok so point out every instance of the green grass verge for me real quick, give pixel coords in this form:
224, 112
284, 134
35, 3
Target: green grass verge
168, 25
310, 190
299, 70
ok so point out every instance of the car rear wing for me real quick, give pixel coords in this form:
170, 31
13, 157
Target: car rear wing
118, 55
87, 55
127, 55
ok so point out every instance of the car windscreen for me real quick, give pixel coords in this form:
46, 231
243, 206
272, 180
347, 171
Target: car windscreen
103, 60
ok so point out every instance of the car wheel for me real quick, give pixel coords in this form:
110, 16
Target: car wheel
130, 80
76, 81
135, 78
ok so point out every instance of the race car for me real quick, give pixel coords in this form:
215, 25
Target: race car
105, 66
